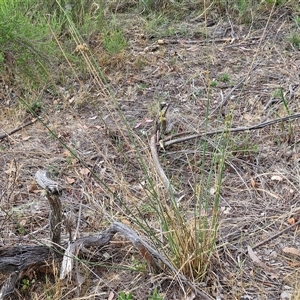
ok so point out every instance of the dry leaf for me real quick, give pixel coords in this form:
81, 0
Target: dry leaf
253, 183
37, 191
26, 138
11, 170
251, 273
277, 178
203, 213
192, 296
291, 221
258, 262
111, 296
84, 171
67, 153
22, 222
248, 117
32, 187
293, 264
70, 180
291, 250
137, 125
225, 210
126, 222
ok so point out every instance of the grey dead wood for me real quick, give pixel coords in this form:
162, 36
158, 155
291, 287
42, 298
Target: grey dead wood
171, 140
52, 193
14, 261
5, 135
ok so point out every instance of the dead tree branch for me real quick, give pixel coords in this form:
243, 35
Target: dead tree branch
159, 129
52, 191
5, 135
275, 235
158, 167
169, 141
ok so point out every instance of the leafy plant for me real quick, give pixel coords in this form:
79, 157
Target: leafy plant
224, 77
139, 266
23, 41
297, 20
21, 229
295, 40
114, 41
26, 283
213, 83
155, 295
125, 296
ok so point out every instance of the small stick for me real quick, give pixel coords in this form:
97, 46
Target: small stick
275, 235
225, 99
238, 129
5, 135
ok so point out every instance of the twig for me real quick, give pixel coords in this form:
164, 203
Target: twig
238, 129
225, 99
275, 235
3, 136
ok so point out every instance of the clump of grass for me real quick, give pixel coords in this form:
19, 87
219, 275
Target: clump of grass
114, 41
294, 39
214, 83
155, 295
125, 296
192, 239
224, 77
23, 43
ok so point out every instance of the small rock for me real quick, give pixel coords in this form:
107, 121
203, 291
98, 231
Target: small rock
273, 254
285, 296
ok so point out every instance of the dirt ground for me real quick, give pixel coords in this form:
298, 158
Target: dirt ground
224, 69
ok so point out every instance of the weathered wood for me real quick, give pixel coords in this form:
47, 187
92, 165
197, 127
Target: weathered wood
9, 285
153, 257
21, 257
171, 141
15, 260
43, 179
53, 191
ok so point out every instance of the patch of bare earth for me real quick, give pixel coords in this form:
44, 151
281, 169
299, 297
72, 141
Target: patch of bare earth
260, 190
